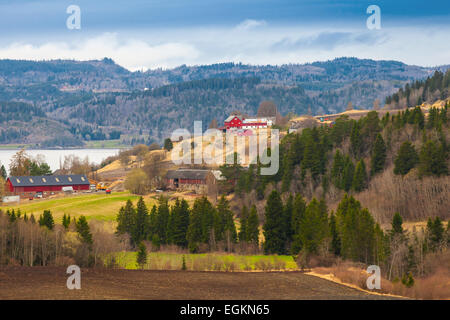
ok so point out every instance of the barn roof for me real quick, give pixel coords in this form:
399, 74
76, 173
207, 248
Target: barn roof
187, 174
232, 117
57, 180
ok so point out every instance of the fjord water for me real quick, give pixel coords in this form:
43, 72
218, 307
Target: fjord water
55, 157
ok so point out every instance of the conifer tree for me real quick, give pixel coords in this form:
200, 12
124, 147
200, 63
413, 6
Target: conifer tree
84, 230
348, 173
126, 218
46, 220
356, 142
397, 222
273, 227
253, 226
378, 158
432, 159
201, 223
3, 173
168, 145
335, 240
162, 220
66, 221
141, 223
337, 170
224, 226
360, 178
435, 231
406, 159
297, 213
141, 257
287, 219
179, 222
314, 227
243, 233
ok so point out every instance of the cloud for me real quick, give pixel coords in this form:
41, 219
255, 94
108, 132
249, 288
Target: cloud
167, 48
134, 54
329, 40
250, 24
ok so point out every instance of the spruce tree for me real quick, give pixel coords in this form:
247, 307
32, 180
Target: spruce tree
162, 220
168, 145
46, 220
273, 227
126, 219
356, 143
314, 227
84, 230
335, 240
141, 257
253, 226
297, 215
224, 225
3, 173
66, 221
179, 222
397, 222
406, 159
243, 233
378, 158
360, 178
287, 219
337, 170
435, 231
432, 159
348, 173
141, 223
201, 223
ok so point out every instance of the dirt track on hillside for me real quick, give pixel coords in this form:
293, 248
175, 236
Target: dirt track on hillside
50, 283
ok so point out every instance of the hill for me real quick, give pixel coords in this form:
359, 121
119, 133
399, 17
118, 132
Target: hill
99, 100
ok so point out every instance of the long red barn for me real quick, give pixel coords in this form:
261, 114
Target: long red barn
29, 185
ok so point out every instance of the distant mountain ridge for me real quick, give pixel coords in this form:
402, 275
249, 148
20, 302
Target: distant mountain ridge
87, 100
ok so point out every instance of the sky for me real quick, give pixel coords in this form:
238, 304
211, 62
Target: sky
149, 34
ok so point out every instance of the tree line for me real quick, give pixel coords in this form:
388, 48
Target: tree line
202, 227
29, 241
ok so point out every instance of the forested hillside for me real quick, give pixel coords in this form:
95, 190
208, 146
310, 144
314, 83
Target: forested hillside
395, 163
98, 100
433, 88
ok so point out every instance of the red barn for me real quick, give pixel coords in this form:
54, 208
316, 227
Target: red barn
233, 122
29, 185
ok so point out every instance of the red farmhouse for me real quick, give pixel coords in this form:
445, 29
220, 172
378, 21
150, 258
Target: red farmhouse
29, 185
233, 122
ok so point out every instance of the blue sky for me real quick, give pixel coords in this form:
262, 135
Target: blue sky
142, 34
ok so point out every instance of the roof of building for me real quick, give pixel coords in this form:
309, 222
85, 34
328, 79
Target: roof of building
232, 117
57, 180
187, 174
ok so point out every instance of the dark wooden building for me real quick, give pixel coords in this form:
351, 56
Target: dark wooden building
197, 180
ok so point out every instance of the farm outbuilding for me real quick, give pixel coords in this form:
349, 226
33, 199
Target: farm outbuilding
26, 186
200, 181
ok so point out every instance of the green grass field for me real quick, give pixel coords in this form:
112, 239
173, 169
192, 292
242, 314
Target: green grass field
208, 262
105, 144
98, 206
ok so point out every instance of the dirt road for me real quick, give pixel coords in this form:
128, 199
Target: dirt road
50, 283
